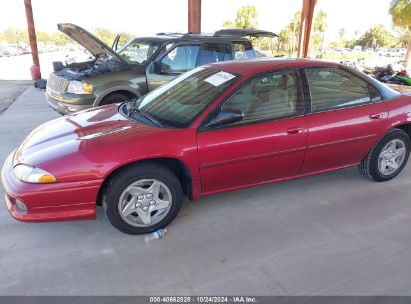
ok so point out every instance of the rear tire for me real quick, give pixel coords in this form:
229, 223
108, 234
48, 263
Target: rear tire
130, 188
388, 157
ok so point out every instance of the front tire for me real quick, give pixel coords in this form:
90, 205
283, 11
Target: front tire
142, 198
388, 157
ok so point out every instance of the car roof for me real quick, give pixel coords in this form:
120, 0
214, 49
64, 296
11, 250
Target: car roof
249, 67
175, 37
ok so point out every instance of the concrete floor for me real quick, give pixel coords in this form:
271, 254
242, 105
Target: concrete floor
332, 234
10, 90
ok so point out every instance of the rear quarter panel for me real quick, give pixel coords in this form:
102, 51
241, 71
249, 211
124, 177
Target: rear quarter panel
399, 111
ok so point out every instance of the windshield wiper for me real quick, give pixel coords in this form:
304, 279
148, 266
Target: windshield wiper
149, 117
131, 108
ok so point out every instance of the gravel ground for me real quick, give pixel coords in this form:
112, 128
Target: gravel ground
10, 90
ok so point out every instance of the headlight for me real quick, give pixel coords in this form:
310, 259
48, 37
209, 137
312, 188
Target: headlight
78, 87
30, 174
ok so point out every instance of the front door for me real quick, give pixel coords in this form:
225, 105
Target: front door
346, 119
177, 60
268, 144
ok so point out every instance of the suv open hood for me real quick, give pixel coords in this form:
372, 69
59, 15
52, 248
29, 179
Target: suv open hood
94, 45
243, 32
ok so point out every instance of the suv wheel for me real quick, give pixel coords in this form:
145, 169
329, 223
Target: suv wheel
388, 157
114, 98
142, 198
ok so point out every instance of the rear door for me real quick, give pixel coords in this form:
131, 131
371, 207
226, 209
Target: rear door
176, 60
214, 52
243, 50
346, 118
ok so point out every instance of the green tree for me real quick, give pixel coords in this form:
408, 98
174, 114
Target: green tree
401, 37
400, 11
105, 35
295, 26
228, 24
377, 36
124, 37
59, 38
13, 35
319, 28
246, 17
284, 40
43, 37
108, 36
341, 33
290, 34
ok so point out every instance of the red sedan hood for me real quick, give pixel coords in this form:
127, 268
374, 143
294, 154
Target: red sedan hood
91, 129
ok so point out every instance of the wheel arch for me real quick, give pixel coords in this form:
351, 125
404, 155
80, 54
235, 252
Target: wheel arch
174, 164
406, 127
117, 89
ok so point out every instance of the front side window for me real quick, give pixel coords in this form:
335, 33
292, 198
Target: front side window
214, 52
265, 97
181, 100
138, 51
335, 88
180, 59
243, 50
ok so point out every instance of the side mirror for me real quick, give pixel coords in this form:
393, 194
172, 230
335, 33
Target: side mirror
225, 118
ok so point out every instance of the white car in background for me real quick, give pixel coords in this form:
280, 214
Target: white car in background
357, 49
10, 50
381, 52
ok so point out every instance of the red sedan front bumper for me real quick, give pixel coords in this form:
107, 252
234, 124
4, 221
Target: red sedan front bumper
49, 202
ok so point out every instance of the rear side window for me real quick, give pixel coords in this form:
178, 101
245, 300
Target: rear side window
336, 88
243, 50
214, 52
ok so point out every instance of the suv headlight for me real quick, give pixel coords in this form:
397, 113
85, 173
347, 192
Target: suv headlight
78, 87
33, 175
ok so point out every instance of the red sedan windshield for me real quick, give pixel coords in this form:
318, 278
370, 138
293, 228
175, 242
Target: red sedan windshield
180, 101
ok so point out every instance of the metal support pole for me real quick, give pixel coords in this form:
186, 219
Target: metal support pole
194, 16
35, 69
307, 15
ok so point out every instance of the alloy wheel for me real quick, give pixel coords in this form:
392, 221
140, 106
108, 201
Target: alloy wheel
391, 157
145, 203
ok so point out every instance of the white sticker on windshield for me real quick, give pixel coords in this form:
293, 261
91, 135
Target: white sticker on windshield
219, 78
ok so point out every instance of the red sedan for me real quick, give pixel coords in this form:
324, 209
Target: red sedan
216, 128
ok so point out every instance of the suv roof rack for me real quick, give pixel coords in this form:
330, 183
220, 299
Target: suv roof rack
244, 32
170, 34
190, 34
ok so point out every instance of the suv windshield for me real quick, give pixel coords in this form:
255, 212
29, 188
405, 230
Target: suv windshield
138, 51
180, 101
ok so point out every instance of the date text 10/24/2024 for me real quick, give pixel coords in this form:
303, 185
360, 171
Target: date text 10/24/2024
203, 299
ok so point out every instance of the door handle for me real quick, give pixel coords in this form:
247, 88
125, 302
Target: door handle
375, 116
294, 131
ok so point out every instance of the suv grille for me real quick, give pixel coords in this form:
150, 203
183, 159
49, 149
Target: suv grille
56, 83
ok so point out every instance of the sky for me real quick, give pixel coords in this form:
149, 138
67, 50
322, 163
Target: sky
144, 18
